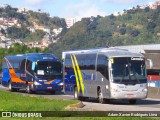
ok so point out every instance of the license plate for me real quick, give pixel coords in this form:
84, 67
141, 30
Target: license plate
49, 87
130, 95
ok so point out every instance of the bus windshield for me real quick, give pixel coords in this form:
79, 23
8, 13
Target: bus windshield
129, 70
47, 69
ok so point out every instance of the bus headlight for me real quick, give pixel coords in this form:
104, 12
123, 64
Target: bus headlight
60, 84
144, 90
36, 83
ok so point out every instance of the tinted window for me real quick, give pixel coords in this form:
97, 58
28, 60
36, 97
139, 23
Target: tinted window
28, 65
22, 66
16, 65
68, 62
86, 61
48, 68
129, 70
102, 65
4, 64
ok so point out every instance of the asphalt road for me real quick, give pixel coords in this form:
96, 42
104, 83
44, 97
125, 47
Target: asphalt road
149, 104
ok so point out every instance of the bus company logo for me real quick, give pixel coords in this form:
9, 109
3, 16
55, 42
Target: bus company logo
135, 58
6, 114
121, 86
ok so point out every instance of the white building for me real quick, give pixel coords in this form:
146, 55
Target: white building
2, 45
57, 31
140, 48
70, 22
22, 10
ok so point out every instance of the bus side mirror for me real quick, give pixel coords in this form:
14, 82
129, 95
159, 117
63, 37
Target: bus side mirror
33, 65
150, 63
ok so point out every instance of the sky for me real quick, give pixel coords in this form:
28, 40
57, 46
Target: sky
76, 8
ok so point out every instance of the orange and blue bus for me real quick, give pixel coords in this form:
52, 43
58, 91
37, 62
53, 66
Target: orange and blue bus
32, 72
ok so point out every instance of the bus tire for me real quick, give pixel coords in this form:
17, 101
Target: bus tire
100, 97
76, 95
81, 98
52, 92
132, 101
28, 89
107, 100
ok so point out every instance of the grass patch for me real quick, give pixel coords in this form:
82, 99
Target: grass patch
17, 102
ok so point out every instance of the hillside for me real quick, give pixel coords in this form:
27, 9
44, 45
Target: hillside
135, 26
28, 26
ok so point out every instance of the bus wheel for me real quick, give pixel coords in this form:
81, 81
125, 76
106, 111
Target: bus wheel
28, 89
76, 96
100, 97
52, 92
132, 101
107, 100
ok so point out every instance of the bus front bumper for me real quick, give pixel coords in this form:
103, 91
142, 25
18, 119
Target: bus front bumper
128, 95
46, 87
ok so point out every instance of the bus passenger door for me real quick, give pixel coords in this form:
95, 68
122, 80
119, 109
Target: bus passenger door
102, 75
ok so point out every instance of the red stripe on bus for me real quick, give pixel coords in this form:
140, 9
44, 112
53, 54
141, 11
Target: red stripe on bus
153, 77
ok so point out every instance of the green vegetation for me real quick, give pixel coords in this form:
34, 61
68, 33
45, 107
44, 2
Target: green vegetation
44, 19
135, 26
17, 102
36, 36
10, 12
17, 33
29, 19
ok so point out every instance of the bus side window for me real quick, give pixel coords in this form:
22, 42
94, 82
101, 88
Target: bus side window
29, 67
102, 65
68, 62
4, 64
89, 61
81, 61
16, 65
11, 64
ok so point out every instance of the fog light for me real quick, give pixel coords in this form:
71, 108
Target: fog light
144, 90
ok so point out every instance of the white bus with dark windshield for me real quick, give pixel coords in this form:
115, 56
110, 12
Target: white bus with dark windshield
105, 73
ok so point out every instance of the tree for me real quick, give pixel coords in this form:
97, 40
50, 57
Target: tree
151, 26
112, 16
17, 33
135, 33
158, 9
122, 30
147, 9
3, 31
